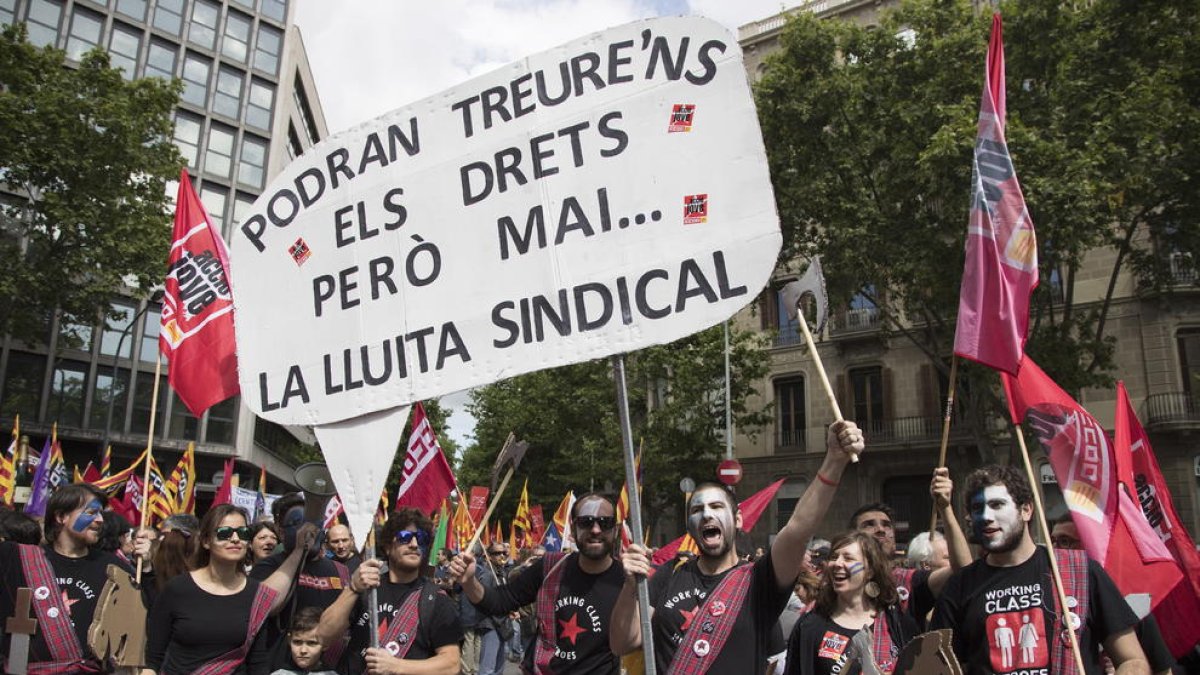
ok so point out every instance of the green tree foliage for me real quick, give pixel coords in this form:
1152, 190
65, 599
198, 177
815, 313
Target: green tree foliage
84, 160
870, 134
569, 417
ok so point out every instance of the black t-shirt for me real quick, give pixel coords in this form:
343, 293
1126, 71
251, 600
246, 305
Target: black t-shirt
916, 597
581, 613
832, 645
1003, 617
189, 627
317, 585
676, 596
434, 631
79, 580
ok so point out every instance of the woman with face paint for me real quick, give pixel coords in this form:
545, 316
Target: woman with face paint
211, 616
857, 597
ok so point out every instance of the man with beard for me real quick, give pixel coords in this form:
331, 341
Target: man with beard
341, 545
418, 623
575, 595
1011, 589
710, 613
66, 577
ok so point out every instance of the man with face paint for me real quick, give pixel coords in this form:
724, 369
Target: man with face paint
418, 623
574, 595
319, 582
711, 614
66, 576
1010, 590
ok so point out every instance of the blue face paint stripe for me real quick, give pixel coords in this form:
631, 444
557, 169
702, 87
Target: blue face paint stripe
854, 568
88, 516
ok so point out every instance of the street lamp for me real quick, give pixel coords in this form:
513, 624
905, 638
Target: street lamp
155, 298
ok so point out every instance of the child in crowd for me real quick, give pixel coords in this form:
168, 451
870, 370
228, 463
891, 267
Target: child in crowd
304, 646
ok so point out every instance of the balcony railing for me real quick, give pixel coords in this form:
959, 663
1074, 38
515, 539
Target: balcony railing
790, 440
854, 320
1175, 408
1183, 271
905, 430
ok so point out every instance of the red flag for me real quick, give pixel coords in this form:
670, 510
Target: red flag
537, 523
1179, 613
225, 491
130, 504
197, 312
1110, 524
1000, 271
478, 502
427, 478
751, 509
332, 510
91, 474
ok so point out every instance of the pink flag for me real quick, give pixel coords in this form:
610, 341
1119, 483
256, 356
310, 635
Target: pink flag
332, 510
1111, 525
477, 503
1179, 613
427, 478
1000, 271
197, 312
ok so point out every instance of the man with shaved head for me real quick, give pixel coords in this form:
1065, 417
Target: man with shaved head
341, 545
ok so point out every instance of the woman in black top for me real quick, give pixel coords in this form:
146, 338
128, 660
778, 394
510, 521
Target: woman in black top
857, 595
207, 620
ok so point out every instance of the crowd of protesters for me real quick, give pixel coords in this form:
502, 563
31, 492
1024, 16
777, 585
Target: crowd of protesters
278, 597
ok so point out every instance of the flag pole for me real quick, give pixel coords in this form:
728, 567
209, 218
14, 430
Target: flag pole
149, 455
635, 507
1040, 515
372, 594
933, 520
812, 350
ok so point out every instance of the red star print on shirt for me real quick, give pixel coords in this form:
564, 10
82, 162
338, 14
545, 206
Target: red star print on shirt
68, 601
570, 628
687, 617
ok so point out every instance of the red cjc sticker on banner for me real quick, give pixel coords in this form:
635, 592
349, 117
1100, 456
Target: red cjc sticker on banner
681, 117
300, 251
695, 209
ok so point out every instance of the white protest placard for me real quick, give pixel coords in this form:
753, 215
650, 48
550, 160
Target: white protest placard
600, 197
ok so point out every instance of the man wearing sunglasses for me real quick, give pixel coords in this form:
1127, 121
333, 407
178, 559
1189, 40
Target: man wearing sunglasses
712, 614
574, 594
417, 621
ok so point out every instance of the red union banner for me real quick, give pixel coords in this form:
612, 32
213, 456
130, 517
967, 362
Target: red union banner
478, 502
197, 313
427, 478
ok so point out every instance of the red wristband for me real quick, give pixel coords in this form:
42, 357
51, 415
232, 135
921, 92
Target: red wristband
825, 480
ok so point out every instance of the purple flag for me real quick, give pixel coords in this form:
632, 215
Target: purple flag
41, 484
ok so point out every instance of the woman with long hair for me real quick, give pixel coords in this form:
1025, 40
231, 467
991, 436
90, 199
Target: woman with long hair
207, 621
855, 616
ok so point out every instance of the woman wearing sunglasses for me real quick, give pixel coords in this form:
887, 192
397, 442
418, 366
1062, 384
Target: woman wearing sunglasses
207, 621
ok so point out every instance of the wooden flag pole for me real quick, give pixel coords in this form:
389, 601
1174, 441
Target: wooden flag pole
945, 432
812, 349
495, 497
635, 508
1040, 515
149, 455
373, 594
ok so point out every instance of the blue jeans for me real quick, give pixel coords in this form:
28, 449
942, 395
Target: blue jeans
516, 649
491, 654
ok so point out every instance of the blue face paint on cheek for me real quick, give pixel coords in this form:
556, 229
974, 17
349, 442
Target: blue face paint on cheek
88, 516
854, 568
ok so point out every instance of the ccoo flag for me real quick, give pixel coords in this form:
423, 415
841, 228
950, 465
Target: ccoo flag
1001, 267
427, 478
197, 312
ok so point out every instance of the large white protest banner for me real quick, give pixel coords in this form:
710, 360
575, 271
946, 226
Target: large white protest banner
603, 196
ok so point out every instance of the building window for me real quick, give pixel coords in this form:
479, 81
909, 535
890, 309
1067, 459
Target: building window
105, 394
23, 384
228, 98
214, 199
294, 147
42, 22
160, 60
143, 394
867, 391
183, 425
305, 112
266, 51
132, 8
203, 30
123, 48
789, 412
862, 314
275, 9
76, 336
68, 387
187, 137
151, 322
196, 70
168, 16
773, 316
221, 422
787, 499
1189, 361
253, 164
241, 208
116, 325
259, 105
236, 44
218, 160
909, 497
85, 33
8, 11
248, 4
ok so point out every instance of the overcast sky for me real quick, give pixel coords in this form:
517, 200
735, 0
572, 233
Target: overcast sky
372, 56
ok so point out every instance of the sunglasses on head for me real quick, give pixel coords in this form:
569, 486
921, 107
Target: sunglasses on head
606, 523
405, 537
226, 532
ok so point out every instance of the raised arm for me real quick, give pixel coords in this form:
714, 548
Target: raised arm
787, 553
335, 620
942, 490
281, 580
625, 624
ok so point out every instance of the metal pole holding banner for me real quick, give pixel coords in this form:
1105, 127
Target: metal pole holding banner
635, 507
372, 594
728, 399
